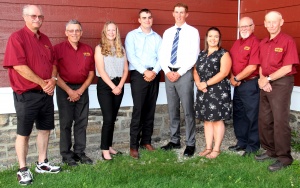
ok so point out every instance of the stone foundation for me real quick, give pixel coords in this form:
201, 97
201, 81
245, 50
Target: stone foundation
121, 134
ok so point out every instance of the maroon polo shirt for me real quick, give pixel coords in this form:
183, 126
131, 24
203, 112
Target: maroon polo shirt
245, 52
24, 48
278, 52
73, 66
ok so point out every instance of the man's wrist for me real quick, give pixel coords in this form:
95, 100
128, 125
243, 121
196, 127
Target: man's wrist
235, 79
54, 77
269, 78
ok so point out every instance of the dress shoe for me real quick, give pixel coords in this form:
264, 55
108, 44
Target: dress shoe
148, 147
134, 153
105, 158
82, 158
277, 166
236, 148
263, 157
69, 161
171, 146
189, 151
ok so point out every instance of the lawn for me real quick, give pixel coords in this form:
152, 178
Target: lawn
164, 169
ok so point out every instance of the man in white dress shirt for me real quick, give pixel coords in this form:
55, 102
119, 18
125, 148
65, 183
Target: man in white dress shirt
179, 78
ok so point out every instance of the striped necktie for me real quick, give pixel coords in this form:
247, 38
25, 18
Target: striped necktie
174, 47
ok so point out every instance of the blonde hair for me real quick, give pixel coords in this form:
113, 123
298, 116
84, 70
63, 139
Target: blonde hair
106, 46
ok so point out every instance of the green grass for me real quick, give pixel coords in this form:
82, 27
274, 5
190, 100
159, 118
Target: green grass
164, 169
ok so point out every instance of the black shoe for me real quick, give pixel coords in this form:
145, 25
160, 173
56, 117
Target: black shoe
189, 151
117, 154
263, 157
82, 158
236, 148
171, 146
69, 161
276, 166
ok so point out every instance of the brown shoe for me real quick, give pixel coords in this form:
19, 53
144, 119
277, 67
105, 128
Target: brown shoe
148, 147
134, 153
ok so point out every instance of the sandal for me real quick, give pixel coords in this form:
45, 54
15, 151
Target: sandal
214, 154
205, 152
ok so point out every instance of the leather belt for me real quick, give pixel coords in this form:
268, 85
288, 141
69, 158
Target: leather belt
150, 68
174, 69
36, 91
248, 79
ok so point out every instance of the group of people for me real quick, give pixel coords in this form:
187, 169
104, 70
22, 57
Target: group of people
261, 73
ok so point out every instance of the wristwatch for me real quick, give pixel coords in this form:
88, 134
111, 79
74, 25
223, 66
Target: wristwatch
269, 79
235, 79
55, 78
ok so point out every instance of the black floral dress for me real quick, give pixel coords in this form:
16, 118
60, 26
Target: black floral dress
215, 104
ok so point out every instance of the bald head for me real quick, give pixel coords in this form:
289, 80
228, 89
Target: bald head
246, 27
273, 23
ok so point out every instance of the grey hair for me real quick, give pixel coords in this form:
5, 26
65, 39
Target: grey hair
73, 21
26, 7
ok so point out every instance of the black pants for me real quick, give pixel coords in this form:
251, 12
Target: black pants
70, 112
245, 115
144, 95
110, 104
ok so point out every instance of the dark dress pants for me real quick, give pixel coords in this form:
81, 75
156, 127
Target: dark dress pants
144, 96
109, 104
273, 120
245, 115
70, 112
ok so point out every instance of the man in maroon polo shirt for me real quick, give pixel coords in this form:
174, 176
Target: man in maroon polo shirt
278, 58
76, 69
32, 74
244, 75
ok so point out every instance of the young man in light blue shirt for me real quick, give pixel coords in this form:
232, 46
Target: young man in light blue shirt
142, 46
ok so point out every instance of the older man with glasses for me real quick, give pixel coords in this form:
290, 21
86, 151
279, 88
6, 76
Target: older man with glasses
32, 74
244, 76
76, 69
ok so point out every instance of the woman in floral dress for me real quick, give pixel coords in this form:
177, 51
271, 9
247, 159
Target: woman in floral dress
213, 101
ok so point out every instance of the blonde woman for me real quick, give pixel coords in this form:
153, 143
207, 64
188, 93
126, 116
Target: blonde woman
112, 71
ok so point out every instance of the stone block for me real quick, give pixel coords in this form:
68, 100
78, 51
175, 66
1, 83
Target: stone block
158, 121
95, 139
93, 128
121, 136
125, 124
4, 120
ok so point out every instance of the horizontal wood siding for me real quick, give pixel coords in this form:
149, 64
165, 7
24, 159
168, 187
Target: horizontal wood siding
290, 10
94, 13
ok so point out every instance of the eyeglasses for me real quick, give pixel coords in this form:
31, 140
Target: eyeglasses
33, 17
245, 26
76, 31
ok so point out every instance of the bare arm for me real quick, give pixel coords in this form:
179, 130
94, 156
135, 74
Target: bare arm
125, 73
86, 83
28, 74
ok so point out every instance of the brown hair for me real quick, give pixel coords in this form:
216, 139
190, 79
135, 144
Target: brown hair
182, 5
220, 37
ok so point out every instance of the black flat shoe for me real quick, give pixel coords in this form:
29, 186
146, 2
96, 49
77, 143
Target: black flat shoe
116, 154
105, 158
189, 151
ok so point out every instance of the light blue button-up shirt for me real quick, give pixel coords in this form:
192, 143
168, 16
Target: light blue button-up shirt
142, 50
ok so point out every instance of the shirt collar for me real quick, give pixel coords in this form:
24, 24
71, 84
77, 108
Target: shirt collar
183, 26
139, 29
30, 32
276, 38
70, 45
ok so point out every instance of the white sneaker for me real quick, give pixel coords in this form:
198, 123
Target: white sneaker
45, 167
25, 177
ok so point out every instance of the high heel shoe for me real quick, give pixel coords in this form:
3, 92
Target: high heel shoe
105, 158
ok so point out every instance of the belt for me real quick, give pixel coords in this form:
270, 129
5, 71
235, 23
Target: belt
174, 69
36, 91
248, 79
150, 68
116, 78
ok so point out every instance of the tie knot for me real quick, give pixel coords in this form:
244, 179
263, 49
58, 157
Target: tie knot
178, 29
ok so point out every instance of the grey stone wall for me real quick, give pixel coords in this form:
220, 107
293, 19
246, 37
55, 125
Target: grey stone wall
121, 134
